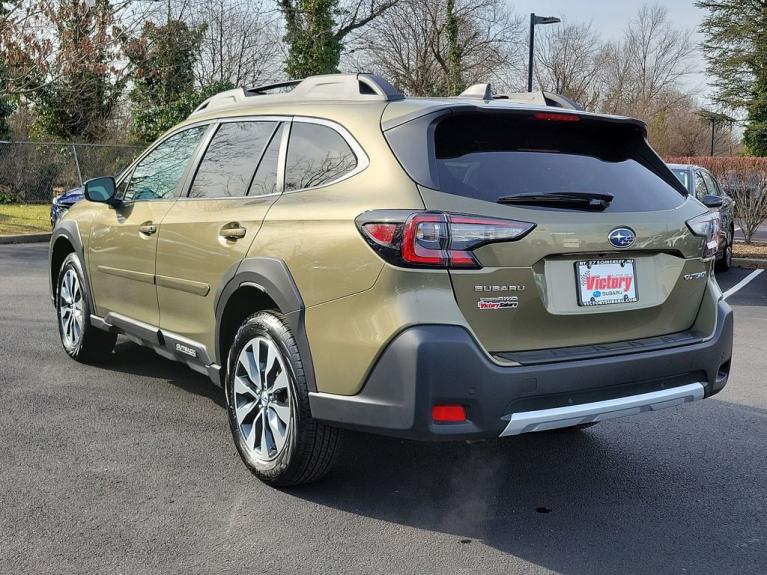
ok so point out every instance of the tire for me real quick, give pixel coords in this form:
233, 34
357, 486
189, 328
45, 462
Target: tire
722, 265
81, 341
274, 432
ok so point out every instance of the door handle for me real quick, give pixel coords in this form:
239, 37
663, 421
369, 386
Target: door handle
233, 231
147, 228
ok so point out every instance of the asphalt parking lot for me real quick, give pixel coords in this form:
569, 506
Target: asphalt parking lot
130, 468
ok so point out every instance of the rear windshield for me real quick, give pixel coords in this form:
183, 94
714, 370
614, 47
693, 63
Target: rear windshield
487, 156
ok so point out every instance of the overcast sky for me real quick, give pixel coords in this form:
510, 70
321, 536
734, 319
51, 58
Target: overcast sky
609, 18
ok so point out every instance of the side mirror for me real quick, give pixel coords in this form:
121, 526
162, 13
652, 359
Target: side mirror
712, 201
101, 190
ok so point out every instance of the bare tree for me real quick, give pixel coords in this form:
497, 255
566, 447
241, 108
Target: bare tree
642, 71
410, 44
241, 44
569, 61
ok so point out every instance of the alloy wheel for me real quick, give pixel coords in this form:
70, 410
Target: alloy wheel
71, 308
262, 398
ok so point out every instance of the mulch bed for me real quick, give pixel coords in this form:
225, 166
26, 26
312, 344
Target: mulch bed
754, 250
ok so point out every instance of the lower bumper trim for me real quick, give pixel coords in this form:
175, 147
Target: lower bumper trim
544, 419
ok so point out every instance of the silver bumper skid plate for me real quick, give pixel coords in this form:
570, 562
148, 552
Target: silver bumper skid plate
543, 419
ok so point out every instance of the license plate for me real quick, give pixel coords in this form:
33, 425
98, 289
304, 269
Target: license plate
605, 282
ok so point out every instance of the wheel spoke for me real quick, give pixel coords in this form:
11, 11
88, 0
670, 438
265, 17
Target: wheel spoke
250, 439
271, 357
243, 387
278, 429
280, 382
264, 445
245, 409
65, 295
282, 411
250, 363
76, 328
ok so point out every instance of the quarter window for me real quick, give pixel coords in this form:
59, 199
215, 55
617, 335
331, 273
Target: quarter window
317, 155
156, 177
231, 160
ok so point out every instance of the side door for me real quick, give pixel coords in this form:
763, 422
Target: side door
211, 227
123, 245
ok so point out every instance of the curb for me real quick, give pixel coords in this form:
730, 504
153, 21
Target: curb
749, 263
25, 239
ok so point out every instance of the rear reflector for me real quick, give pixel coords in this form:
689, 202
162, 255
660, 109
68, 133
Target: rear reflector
448, 413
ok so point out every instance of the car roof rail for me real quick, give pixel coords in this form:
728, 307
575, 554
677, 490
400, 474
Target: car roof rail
329, 87
485, 92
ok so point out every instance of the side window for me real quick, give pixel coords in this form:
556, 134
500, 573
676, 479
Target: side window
713, 187
317, 155
156, 177
265, 178
231, 159
700, 185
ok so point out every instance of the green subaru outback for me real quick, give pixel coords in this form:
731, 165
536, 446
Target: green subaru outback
336, 255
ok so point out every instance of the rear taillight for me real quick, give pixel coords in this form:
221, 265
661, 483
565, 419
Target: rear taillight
435, 239
707, 226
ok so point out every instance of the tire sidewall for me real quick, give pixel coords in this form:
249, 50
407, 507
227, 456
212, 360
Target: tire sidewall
268, 326
72, 262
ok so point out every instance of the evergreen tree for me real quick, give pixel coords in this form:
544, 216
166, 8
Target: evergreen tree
163, 88
315, 31
736, 51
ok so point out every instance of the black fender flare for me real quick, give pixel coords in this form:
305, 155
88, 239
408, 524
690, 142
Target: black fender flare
69, 230
272, 277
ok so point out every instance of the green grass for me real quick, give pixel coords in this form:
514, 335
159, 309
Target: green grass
24, 219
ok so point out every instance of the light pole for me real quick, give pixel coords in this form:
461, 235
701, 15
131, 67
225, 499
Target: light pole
533, 21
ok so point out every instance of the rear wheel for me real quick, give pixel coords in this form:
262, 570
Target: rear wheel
268, 406
80, 339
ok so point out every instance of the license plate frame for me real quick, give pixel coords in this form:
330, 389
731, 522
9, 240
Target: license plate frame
593, 296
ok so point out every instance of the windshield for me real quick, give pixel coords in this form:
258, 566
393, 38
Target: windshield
488, 157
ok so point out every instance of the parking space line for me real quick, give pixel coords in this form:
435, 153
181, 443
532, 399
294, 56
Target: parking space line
742, 283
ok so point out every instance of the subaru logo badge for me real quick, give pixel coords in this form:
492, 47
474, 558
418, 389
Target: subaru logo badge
621, 237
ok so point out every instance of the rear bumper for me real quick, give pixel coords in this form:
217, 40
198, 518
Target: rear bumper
442, 364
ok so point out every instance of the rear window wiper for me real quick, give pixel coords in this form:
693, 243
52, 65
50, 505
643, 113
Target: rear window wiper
575, 200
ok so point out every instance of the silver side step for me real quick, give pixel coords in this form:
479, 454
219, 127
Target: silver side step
543, 419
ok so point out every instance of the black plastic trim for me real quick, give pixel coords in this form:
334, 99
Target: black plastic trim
272, 276
442, 364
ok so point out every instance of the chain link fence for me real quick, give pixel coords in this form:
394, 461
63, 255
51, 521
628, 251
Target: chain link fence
34, 172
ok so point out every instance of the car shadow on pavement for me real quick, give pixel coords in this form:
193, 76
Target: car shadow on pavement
615, 498
137, 360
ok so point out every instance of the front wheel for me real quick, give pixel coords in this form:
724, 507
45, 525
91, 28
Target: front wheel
725, 263
268, 406
80, 339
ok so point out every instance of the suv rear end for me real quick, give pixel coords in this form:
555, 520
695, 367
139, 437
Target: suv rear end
558, 275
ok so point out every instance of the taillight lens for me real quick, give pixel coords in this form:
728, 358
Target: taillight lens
436, 239
707, 226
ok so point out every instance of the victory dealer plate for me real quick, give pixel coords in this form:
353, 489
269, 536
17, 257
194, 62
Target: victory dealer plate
604, 282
